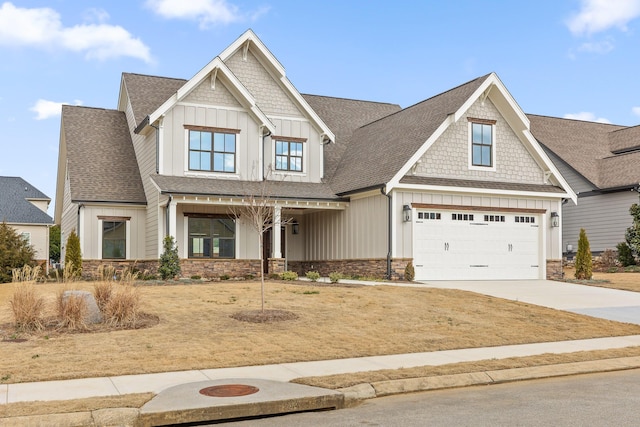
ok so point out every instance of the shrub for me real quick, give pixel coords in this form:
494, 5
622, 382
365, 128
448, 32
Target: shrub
27, 308
584, 261
123, 308
196, 277
335, 276
224, 277
102, 292
274, 276
289, 275
72, 311
625, 254
15, 252
632, 235
54, 243
409, 272
249, 277
169, 260
313, 276
608, 258
73, 256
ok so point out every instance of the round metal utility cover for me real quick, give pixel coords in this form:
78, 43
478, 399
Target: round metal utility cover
229, 390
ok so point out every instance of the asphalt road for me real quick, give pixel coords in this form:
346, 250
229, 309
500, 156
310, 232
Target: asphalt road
609, 399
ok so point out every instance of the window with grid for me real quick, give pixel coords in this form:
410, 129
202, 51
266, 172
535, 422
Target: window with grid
212, 151
212, 237
481, 144
289, 156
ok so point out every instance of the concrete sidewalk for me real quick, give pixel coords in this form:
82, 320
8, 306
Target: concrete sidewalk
155, 383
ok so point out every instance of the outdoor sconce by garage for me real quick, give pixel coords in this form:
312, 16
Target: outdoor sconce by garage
406, 213
295, 227
555, 219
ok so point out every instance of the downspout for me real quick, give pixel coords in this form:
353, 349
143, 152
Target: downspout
157, 147
389, 230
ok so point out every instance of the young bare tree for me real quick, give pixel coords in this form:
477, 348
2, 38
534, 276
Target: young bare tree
258, 211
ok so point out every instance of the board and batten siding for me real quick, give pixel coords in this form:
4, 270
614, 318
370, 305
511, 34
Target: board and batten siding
145, 149
403, 239
359, 232
312, 150
605, 218
175, 141
92, 231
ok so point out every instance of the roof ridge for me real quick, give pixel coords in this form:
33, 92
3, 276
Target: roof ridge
92, 108
428, 99
154, 76
350, 99
581, 121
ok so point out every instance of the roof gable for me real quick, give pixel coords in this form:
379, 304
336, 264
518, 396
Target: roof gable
15, 205
146, 93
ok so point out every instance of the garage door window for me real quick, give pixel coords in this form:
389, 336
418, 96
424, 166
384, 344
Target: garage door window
462, 217
526, 219
494, 218
429, 215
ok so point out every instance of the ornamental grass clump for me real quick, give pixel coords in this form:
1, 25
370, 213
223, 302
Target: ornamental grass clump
27, 308
123, 308
72, 311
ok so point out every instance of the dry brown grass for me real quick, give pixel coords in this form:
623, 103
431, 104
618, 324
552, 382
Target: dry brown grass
27, 307
72, 311
102, 293
123, 307
625, 281
196, 330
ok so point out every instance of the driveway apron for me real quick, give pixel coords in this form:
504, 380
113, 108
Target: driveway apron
611, 304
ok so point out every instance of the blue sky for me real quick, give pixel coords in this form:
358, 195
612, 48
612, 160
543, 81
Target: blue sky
565, 58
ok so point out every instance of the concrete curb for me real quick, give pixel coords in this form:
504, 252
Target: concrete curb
358, 393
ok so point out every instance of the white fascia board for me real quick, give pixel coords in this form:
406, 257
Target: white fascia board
551, 167
395, 181
250, 36
307, 108
121, 104
483, 191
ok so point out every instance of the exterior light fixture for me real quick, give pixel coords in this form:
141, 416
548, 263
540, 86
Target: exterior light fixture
406, 213
555, 219
295, 227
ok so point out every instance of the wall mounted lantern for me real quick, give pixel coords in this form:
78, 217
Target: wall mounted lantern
555, 219
295, 227
406, 213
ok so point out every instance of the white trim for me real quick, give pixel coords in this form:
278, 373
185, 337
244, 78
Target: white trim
542, 251
100, 228
185, 237
127, 243
484, 191
470, 164
280, 172
160, 146
301, 119
394, 225
81, 228
212, 106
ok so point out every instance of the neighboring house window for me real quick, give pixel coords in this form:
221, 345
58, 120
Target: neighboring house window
26, 237
481, 144
212, 237
289, 156
212, 151
114, 239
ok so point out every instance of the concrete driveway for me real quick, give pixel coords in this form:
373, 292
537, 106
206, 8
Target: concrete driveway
612, 304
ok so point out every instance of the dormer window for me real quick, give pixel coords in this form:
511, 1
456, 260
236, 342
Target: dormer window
482, 143
212, 149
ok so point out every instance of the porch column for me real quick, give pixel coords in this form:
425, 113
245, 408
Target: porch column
275, 232
172, 221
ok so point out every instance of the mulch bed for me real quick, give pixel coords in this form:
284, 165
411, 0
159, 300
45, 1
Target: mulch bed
266, 316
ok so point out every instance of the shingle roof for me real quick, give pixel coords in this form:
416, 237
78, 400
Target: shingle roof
378, 150
229, 187
101, 161
489, 185
587, 147
343, 116
147, 93
15, 207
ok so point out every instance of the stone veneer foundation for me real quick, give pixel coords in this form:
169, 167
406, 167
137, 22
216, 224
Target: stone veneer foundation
554, 269
369, 267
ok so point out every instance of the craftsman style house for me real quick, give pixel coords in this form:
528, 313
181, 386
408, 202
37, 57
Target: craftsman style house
456, 183
24, 207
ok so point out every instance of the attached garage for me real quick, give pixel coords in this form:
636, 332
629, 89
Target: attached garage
477, 245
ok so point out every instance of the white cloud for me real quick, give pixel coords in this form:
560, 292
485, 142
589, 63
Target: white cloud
206, 12
42, 27
47, 109
636, 111
600, 15
597, 47
587, 117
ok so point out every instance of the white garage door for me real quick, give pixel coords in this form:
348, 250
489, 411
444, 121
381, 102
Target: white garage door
469, 245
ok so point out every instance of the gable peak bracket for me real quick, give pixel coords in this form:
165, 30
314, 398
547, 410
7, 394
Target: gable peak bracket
547, 175
484, 95
325, 139
214, 76
245, 49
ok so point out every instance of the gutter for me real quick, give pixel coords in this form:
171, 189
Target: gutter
630, 187
142, 125
389, 230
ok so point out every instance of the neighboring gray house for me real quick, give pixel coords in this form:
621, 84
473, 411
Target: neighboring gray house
24, 208
601, 162
455, 183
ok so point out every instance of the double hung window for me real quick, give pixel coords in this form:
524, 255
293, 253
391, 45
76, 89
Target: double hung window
482, 144
114, 239
289, 156
212, 237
